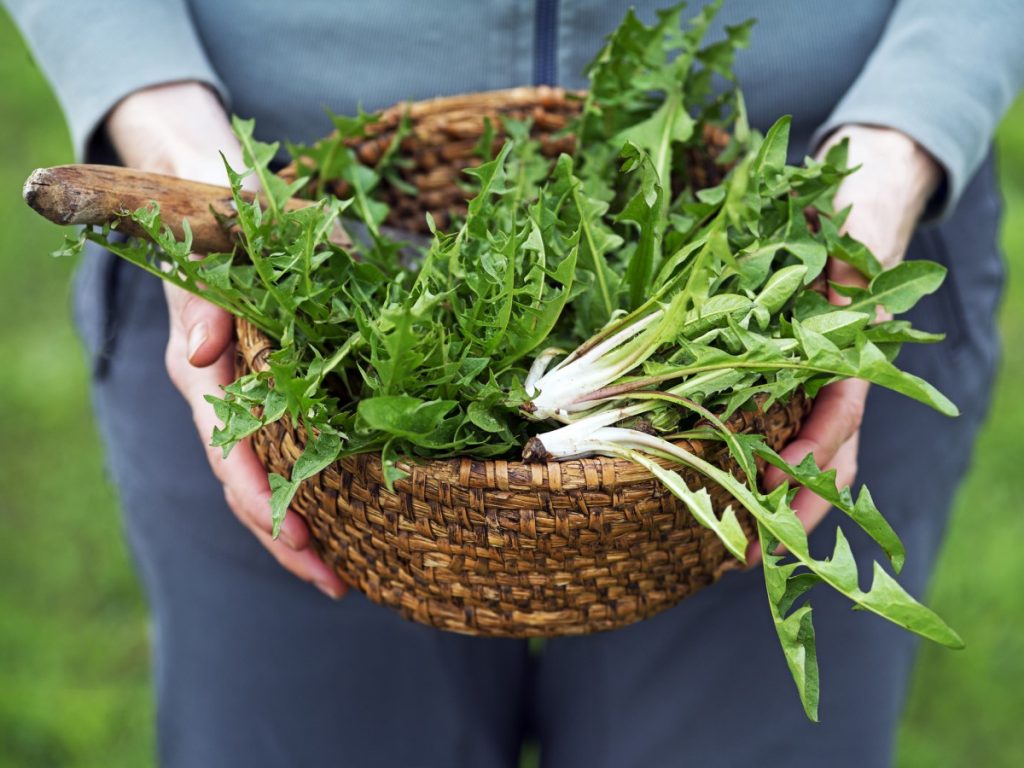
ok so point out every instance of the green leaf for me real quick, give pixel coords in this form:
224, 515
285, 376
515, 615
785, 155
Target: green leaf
887, 598
715, 313
404, 416
799, 242
875, 367
320, 451
771, 154
795, 631
282, 492
900, 331
595, 237
846, 249
698, 502
73, 245
642, 211
839, 326
900, 288
670, 124
780, 287
823, 483
237, 419
841, 568
483, 416
258, 156
389, 466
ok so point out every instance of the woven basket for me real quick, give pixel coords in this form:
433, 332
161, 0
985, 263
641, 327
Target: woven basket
506, 548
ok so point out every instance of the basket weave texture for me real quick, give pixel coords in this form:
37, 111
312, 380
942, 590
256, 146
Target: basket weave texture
506, 548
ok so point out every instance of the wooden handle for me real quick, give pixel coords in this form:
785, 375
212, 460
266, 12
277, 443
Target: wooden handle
100, 194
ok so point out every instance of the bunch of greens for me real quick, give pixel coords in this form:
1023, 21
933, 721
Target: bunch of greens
680, 305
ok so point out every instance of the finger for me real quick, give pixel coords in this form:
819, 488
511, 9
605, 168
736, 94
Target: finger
241, 472
248, 494
836, 416
306, 565
247, 490
808, 506
206, 328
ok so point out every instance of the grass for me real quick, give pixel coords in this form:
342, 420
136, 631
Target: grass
74, 688
963, 707
74, 679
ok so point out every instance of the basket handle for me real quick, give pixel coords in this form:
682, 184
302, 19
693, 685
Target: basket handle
101, 194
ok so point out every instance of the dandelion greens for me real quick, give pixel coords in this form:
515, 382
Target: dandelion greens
601, 303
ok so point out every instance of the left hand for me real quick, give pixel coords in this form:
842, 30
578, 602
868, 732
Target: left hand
888, 194
180, 129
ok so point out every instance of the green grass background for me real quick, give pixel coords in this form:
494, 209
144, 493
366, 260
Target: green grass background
74, 687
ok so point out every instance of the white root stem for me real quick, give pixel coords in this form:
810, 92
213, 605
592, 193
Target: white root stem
540, 365
564, 389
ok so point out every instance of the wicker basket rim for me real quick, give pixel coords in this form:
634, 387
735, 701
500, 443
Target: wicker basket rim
511, 474
499, 100
502, 98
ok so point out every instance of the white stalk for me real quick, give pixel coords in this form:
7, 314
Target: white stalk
587, 437
557, 390
575, 438
592, 435
540, 365
564, 389
613, 341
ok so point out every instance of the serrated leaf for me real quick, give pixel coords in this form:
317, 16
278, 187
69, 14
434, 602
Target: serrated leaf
698, 503
282, 491
823, 483
840, 568
888, 599
320, 451
795, 630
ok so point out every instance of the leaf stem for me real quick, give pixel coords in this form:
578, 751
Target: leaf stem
600, 265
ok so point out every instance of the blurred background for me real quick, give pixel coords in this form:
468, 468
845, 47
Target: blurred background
74, 678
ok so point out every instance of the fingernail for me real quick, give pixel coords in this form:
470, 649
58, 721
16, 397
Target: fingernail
328, 589
286, 536
196, 338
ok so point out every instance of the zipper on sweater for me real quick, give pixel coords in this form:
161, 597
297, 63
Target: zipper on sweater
545, 42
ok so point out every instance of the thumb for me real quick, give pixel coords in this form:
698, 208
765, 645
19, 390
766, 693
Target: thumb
202, 329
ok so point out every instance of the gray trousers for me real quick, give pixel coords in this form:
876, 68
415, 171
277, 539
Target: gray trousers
254, 668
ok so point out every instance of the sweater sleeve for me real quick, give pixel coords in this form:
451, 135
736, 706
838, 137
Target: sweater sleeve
944, 72
96, 52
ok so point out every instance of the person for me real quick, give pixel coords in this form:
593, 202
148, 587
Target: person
252, 667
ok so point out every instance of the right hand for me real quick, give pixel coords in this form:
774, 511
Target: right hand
179, 129
888, 193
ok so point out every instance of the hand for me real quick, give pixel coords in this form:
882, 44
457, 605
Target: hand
888, 194
179, 130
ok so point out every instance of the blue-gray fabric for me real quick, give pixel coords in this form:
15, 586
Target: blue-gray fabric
943, 71
254, 668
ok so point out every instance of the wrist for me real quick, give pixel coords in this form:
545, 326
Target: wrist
178, 129
894, 181
903, 172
